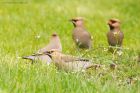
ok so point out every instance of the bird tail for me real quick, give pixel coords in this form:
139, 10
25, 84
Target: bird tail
28, 57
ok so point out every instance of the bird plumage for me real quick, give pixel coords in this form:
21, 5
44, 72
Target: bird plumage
80, 35
39, 57
54, 44
115, 36
69, 62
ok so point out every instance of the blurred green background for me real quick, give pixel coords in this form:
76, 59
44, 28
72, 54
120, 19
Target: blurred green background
22, 22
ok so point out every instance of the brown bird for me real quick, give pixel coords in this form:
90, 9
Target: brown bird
39, 57
81, 37
115, 36
54, 44
69, 63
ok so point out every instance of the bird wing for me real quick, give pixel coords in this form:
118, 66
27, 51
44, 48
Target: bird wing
111, 38
74, 65
81, 33
70, 58
52, 45
115, 38
121, 36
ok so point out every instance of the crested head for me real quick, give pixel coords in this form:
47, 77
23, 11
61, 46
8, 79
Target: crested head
54, 35
77, 21
54, 38
114, 20
55, 42
52, 52
114, 23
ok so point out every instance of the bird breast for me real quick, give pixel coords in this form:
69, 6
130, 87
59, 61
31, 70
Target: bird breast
115, 38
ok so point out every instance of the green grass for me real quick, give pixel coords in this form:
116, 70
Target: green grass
20, 23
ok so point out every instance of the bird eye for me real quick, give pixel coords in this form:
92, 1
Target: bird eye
48, 52
74, 20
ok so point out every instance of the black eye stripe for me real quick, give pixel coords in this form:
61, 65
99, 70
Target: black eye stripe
75, 20
113, 21
50, 56
48, 52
